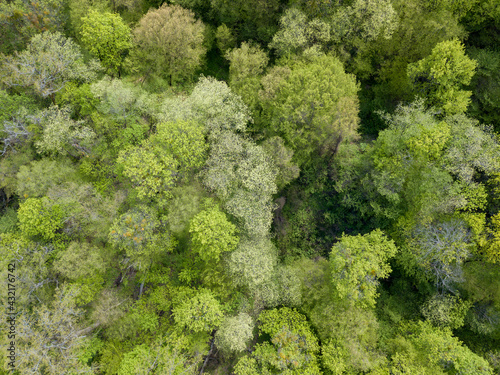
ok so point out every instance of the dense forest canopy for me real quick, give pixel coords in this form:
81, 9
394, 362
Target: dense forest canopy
250, 187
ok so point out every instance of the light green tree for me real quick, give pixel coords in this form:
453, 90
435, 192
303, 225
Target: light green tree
357, 264
446, 311
235, 333
439, 77
106, 36
315, 108
164, 158
297, 33
40, 218
253, 263
281, 157
212, 234
200, 313
150, 169
211, 103
241, 175
293, 347
247, 63
225, 38
35, 179
49, 61
169, 41
50, 338
434, 347
62, 135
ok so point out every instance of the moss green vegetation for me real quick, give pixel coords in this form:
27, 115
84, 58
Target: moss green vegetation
250, 187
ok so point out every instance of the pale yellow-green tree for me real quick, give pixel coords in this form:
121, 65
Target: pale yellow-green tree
49, 61
169, 41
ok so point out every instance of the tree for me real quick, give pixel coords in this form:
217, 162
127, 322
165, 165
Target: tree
49, 61
441, 248
281, 156
252, 20
420, 167
297, 33
440, 76
357, 264
241, 175
235, 333
170, 41
141, 235
40, 218
433, 349
167, 156
315, 108
62, 135
485, 100
225, 38
106, 36
253, 266
247, 64
200, 313
292, 348
212, 234
211, 103
50, 338
35, 179
369, 19
21, 20
446, 311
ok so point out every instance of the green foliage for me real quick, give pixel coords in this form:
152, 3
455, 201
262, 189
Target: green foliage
211, 103
150, 169
164, 158
12, 104
440, 248
253, 19
21, 20
49, 340
225, 38
185, 204
241, 175
141, 235
49, 61
165, 358
420, 167
106, 36
35, 179
446, 311
212, 234
296, 33
485, 85
247, 63
315, 108
62, 135
40, 218
440, 76
185, 140
428, 346
169, 41
357, 264
253, 263
281, 156
235, 333
79, 98
80, 260
294, 345
200, 313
